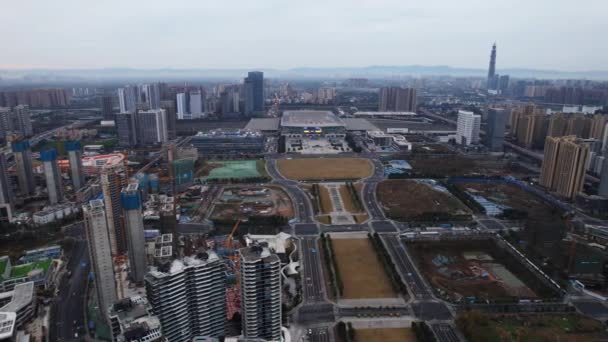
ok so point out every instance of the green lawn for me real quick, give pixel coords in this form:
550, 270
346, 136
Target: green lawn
22, 270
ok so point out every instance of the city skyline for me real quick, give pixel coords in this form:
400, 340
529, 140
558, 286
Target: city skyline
288, 37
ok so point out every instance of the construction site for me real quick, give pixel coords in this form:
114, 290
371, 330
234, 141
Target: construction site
241, 202
479, 271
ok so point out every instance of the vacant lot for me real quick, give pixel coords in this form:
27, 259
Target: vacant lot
360, 270
439, 166
478, 326
419, 201
385, 335
325, 168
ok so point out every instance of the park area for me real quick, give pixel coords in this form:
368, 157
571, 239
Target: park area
321, 169
481, 327
360, 270
385, 335
232, 169
477, 270
420, 200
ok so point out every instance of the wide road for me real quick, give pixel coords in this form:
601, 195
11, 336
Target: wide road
302, 204
445, 333
318, 335
67, 310
406, 267
312, 282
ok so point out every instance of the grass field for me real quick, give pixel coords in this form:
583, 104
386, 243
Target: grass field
360, 270
349, 204
385, 335
325, 168
235, 169
326, 206
414, 200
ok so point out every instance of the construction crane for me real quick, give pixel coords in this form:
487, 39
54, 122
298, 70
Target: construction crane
231, 236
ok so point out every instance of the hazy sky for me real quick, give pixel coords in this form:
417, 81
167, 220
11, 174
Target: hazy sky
545, 34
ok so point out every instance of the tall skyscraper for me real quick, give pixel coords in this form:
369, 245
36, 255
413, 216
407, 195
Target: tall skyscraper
127, 99
152, 127
96, 230
468, 126
169, 107
52, 175
183, 103
152, 93
495, 130
188, 296
126, 129
75, 158
23, 160
260, 293
396, 99
557, 125
254, 92
22, 124
491, 84
7, 197
113, 179
196, 104
107, 108
134, 225
564, 165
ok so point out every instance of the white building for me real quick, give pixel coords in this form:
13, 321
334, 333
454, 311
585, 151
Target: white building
182, 106
152, 127
188, 296
467, 131
127, 99
96, 229
260, 293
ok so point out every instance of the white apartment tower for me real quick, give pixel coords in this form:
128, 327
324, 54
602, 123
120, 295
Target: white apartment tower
467, 131
96, 229
260, 293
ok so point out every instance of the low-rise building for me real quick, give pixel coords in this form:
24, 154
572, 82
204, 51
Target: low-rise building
131, 320
21, 302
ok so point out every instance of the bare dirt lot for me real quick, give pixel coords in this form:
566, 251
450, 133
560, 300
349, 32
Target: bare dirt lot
325, 168
478, 269
438, 166
245, 201
385, 335
360, 270
416, 200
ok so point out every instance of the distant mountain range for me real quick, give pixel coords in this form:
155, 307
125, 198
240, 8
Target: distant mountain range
50, 75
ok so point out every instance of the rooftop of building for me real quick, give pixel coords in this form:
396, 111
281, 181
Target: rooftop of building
369, 113
178, 265
22, 295
134, 317
263, 124
359, 124
310, 118
7, 325
232, 133
257, 252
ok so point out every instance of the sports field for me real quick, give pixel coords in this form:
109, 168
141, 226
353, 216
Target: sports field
385, 335
325, 168
360, 270
233, 169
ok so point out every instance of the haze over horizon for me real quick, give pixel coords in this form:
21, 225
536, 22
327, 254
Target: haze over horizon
241, 34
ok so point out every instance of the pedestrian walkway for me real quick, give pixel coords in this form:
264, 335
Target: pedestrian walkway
339, 215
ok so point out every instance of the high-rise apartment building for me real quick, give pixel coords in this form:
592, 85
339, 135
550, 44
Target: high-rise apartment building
52, 175
557, 125
529, 125
491, 83
196, 104
23, 160
22, 124
134, 226
100, 252
564, 165
127, 99
152, 127
75, 157
107, 107
113, 179
579, 125
598, 125
603, 189
495, 130
468, 126
188, 296
326, 95
152, 95
7, 197
183, 106
396, 99
260, 273
170, 109
126, 129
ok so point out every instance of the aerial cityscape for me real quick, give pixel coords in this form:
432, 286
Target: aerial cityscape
295, 201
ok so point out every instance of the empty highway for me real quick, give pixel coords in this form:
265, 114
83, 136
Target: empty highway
312, 282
